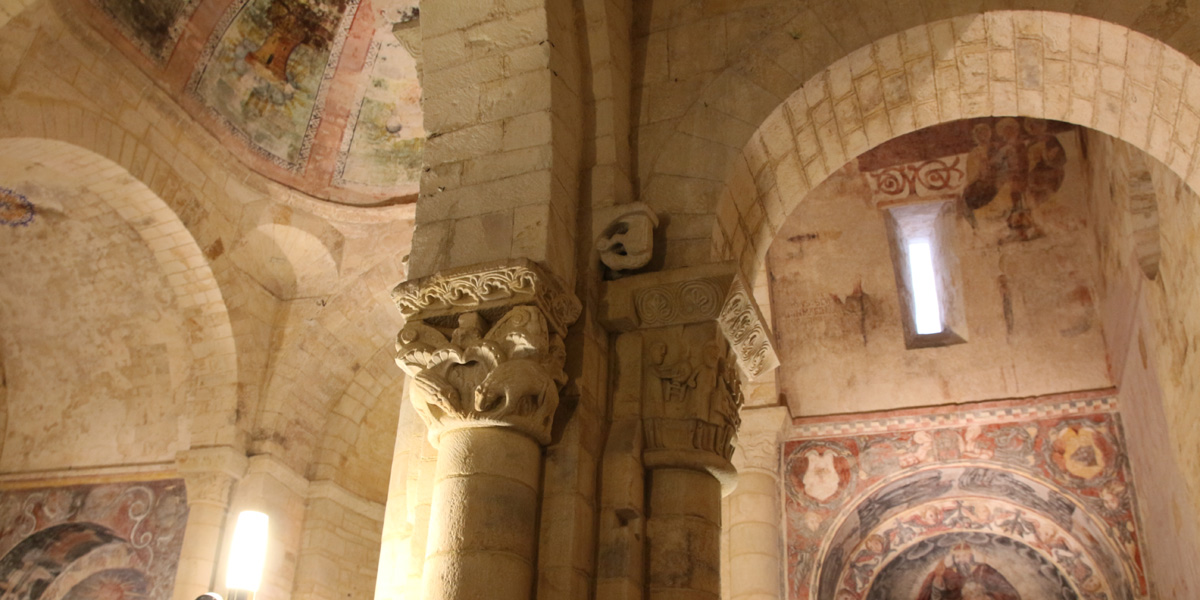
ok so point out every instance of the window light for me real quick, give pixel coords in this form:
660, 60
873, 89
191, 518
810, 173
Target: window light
927, 310
249, 551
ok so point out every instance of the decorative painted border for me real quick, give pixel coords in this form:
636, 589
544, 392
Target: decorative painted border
343, 155
318, 112
848, 426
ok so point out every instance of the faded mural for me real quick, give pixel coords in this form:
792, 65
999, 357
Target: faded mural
1021, 266
946, 506
151, 25
264, 72
382, 145
100, 541
1003, 172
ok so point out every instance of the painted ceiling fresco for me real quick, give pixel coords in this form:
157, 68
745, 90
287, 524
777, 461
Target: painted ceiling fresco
383, 144
108, 540
153, 26
1008, 502
323, 95
264, 73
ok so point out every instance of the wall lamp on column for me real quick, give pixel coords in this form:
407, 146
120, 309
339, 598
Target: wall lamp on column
247, 555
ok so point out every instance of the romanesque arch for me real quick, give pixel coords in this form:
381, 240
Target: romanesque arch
1007, 63
210, 387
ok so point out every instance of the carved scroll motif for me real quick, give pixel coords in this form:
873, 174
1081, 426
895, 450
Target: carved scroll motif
490, 286
743, 325
678, 303
506, 374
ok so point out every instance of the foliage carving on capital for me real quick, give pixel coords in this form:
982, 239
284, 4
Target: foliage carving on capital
746, 330
481, 374
693, 399
493, 286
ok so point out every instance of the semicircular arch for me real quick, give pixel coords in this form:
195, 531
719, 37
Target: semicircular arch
211, 389
1069, 68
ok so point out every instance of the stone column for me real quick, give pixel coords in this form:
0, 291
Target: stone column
690, 418
484, 348
756, 566
687, 338
209, 474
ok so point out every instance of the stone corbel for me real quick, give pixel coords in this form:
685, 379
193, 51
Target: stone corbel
484, 347
626, 241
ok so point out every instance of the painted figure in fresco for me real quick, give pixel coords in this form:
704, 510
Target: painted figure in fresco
1047, 157
961, 577
1080, 451
981, 172
1023, 156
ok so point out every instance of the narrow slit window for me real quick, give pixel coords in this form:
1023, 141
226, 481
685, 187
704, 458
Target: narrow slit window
927, 309
928, 281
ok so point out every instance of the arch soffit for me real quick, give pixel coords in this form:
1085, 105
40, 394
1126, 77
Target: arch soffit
1070, 68
214, 366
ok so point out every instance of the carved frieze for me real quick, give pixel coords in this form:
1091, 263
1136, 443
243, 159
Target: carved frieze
481, 374
678, 302
488, 289
746, 330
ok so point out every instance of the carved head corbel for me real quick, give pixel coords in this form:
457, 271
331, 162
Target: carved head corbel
627, 241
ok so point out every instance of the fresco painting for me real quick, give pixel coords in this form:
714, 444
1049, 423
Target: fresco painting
151, 25
108, 540
1045, 477
383, 144
265, 76
971, 566
1005, 173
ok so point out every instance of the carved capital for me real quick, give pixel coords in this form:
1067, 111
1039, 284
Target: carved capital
747, 332
759, 439
209, 473
691, 399
483, 374
489, 290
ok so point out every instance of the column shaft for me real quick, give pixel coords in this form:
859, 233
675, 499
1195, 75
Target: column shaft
755, 561
684, 535
198, 555
483, 524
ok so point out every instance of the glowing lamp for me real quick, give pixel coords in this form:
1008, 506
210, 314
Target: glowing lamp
248, 553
